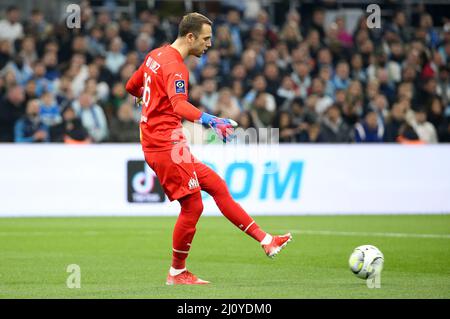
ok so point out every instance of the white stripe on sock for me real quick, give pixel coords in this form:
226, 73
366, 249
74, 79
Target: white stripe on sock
245, 230
180, 251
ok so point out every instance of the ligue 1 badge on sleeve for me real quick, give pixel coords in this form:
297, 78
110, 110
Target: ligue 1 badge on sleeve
180, 87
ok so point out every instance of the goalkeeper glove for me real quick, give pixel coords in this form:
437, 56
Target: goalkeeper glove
138, 101
224, 128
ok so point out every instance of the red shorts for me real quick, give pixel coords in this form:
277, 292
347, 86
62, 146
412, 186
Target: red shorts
176, 171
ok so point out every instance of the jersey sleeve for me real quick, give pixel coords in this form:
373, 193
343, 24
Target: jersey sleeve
135, 85
176, 78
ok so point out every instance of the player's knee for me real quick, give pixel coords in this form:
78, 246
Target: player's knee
192, 204
219, 189
197, 207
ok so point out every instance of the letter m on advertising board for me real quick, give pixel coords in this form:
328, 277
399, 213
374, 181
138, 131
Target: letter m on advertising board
273, 180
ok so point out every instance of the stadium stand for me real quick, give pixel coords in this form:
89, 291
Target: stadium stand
320, 76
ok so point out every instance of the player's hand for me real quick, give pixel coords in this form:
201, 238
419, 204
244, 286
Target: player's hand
138, 101
224, 128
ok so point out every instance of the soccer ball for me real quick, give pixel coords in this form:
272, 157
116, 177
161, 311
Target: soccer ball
365, 261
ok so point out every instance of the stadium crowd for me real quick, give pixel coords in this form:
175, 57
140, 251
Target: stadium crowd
314, 81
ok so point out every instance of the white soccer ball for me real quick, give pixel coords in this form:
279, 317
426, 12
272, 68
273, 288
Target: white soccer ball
365, 261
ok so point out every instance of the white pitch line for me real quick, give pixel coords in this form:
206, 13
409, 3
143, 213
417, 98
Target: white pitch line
347, 233
294, 231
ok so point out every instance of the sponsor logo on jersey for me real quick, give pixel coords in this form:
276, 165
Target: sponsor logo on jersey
180, 86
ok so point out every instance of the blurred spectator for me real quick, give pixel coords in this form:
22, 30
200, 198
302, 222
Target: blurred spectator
247, 132
124, 128
30, 128
78, 72
369, 131
227, 105
114, 56
28, 50
353, 107
344, 37
273, 77
311, 134
290, 34
11, 109
399, 26
233, 22
318, 21
432, 36
248, 60
379, 105
144, 44
334, 129
50, 60
6, 51
70, 130
42, 83
443, 84
95, 45
323, 101
210, 95
301, 77
287, 130
49, 110
224, 43
117, 97
394, 121
358, 72
10, 28
287, 92
22, 71
92, 117
259, 86
424, 129
260, 110
37, 26
341, 79
407, 135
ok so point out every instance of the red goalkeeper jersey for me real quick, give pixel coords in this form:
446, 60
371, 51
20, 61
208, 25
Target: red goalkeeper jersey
160, 80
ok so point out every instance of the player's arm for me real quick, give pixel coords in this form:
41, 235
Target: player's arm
176, 84
135, 85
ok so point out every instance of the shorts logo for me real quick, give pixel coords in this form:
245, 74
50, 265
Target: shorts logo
180, 86
193, 182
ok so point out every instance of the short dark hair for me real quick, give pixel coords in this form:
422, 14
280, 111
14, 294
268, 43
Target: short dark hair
12, 8
192, 22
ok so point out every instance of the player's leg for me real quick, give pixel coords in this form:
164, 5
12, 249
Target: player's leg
183, 233
184, 230
214, 185
179, 183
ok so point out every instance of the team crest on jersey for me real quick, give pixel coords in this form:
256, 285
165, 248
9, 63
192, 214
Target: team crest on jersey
180, 86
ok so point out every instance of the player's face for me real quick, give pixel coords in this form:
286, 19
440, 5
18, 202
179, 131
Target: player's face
203, 42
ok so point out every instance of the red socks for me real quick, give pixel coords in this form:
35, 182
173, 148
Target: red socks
191, 209
237, 215
183, 233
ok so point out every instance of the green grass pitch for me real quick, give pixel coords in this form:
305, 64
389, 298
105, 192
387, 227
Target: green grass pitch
129, 257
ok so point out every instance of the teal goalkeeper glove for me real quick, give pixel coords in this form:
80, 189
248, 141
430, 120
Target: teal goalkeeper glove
224, 128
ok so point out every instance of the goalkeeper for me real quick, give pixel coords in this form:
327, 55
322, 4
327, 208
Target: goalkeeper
161, 82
